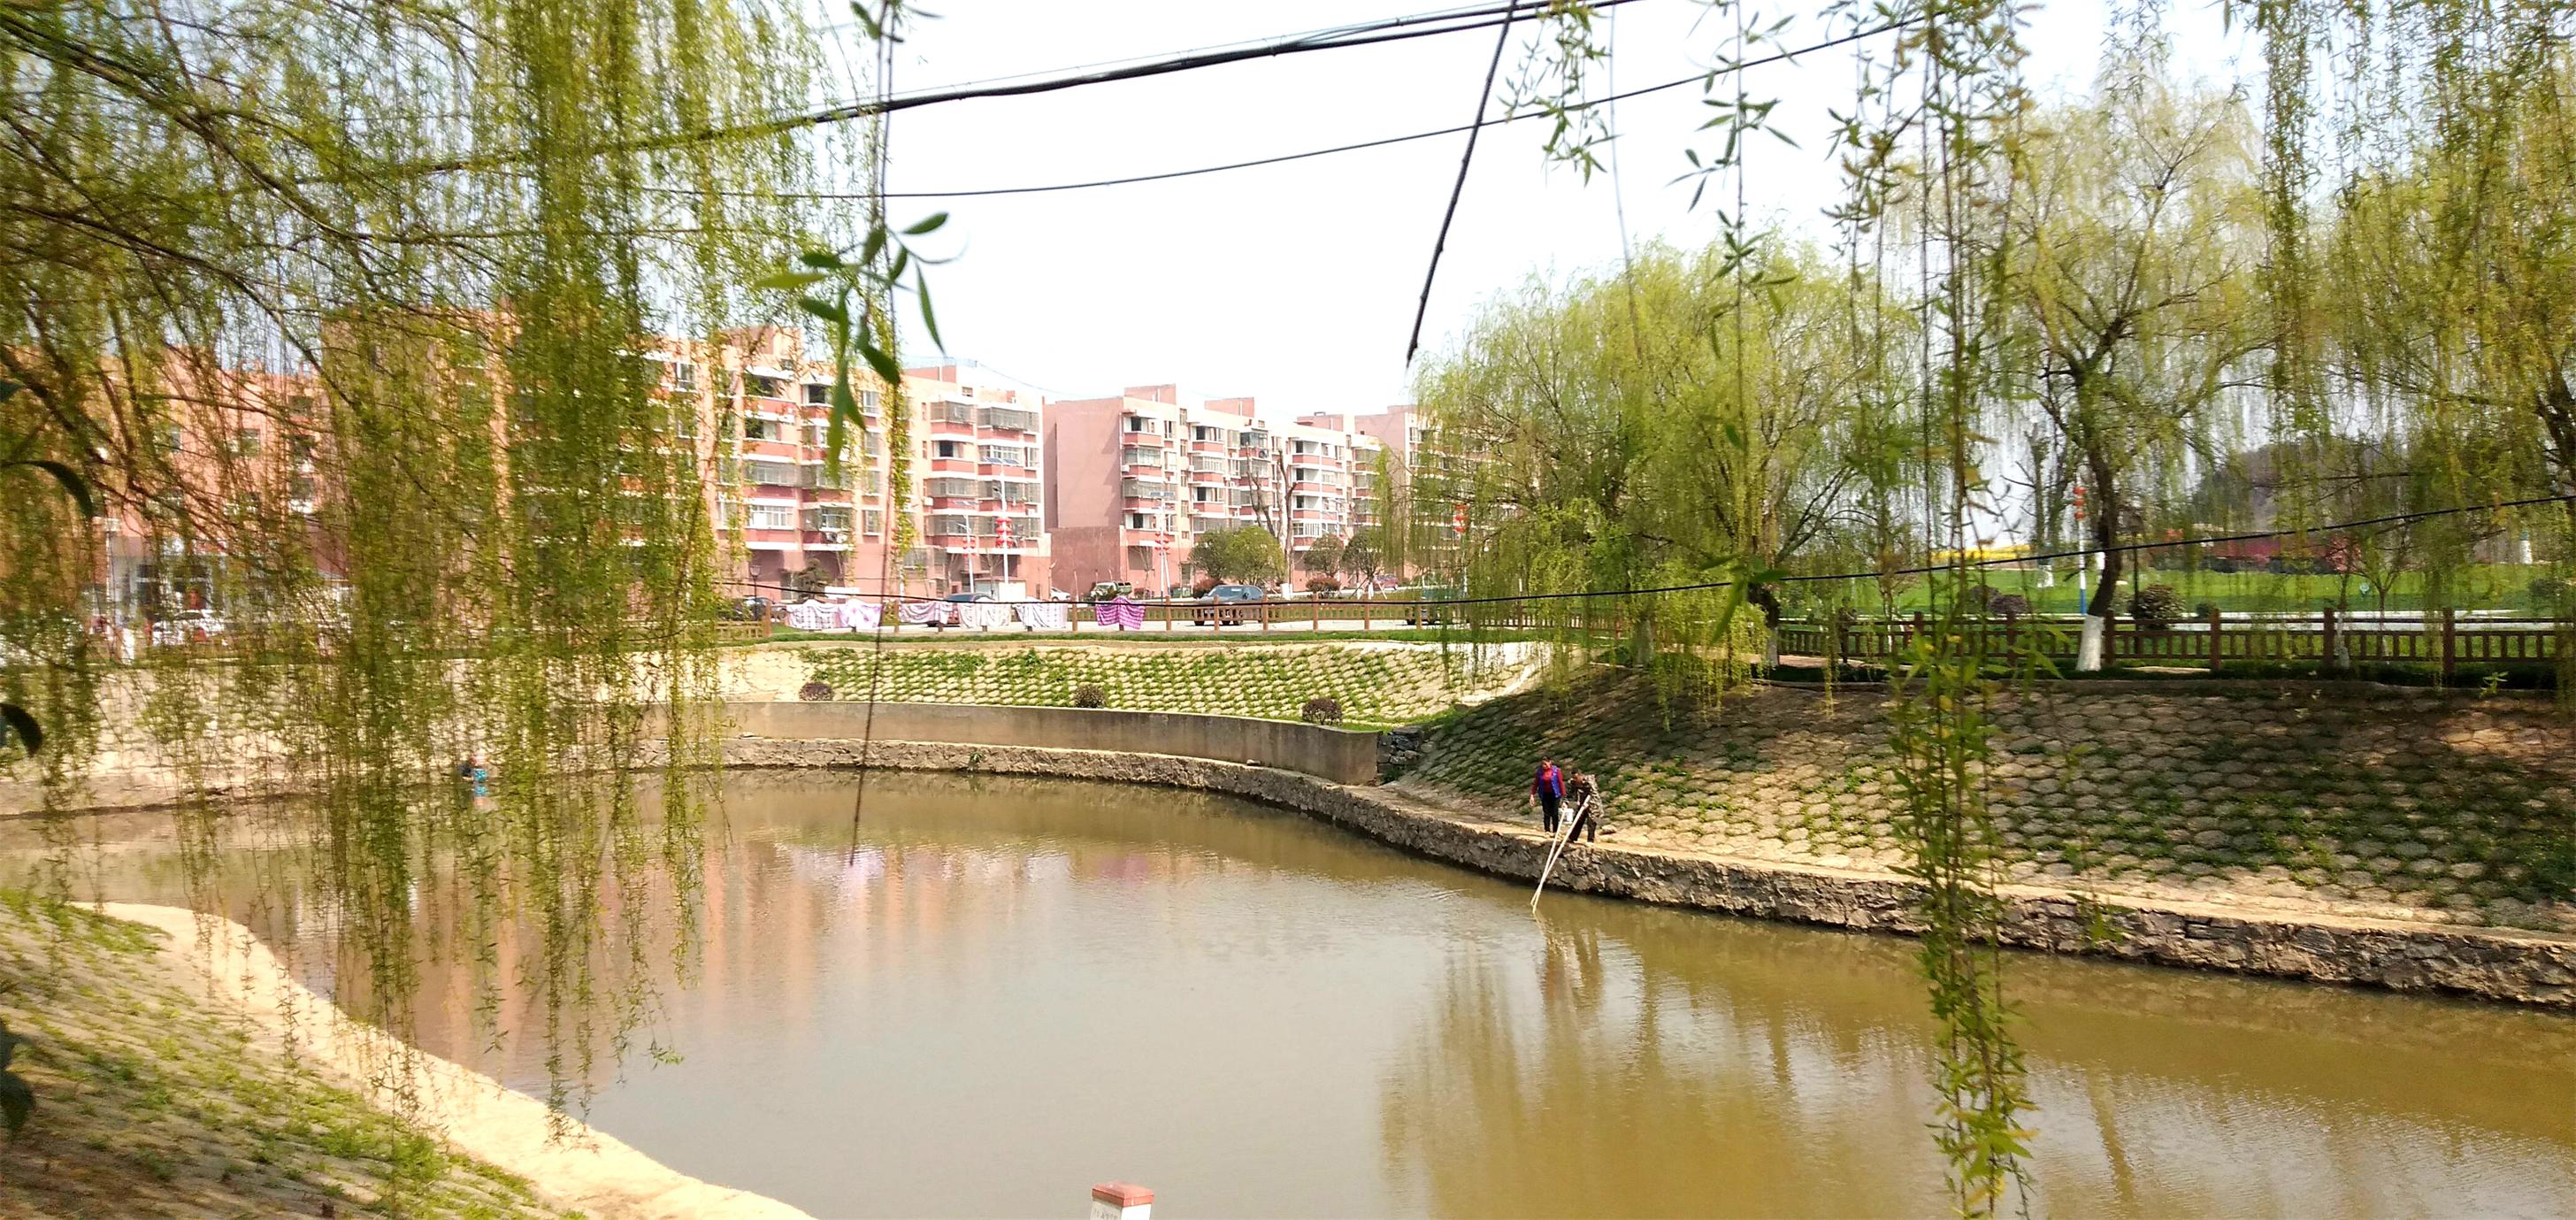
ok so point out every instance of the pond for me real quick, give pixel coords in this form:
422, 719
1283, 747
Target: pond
996, 992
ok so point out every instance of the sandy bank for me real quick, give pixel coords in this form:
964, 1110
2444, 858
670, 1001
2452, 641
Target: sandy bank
570, 1164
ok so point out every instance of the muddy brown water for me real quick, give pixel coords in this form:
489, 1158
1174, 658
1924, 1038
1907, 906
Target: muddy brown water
1002, 991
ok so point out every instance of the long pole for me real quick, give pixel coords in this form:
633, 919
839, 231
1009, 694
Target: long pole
1573, 819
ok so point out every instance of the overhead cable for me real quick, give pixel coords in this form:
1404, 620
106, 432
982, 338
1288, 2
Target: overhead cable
1309, 154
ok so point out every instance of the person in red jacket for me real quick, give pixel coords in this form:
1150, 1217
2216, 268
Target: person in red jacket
1547, 791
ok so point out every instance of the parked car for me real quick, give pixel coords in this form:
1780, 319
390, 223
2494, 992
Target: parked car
1224, 604
956, 600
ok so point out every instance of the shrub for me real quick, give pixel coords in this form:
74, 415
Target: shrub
1202, 586
2155, 607
2549, 592
1323, 584
1323, 709
1089, 694
814, 692
2207, 609
2009, 605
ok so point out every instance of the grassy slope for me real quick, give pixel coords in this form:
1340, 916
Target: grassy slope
149, 1103
2459, 806
1376, 686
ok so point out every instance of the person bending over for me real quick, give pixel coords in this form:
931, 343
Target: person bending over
1547, 791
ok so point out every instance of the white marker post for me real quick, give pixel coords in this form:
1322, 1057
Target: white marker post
1121, 1201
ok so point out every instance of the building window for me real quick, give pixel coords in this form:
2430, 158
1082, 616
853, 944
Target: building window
770, 517
247, 442
777, 474
868, 401
763, 387
952, 449
757, 429
684, 377
872, 520
817, 395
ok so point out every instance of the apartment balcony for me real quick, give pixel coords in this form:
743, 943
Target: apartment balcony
773, 540
783, 450
952, 466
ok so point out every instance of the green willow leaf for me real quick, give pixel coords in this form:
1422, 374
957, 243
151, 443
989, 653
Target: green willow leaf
927, 224
789, 281
73, 484
929, 316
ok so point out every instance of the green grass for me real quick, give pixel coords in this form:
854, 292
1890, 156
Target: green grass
2479, 587
1376, 687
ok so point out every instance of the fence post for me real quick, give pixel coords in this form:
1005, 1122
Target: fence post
2327, 659
2213, 639
1916, 631
1265, 613
2450, 623
1319, 612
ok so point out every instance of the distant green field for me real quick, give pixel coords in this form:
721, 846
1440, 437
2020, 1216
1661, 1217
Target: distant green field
2484, 587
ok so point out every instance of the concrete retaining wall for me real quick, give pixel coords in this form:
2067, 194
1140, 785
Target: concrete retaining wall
1344, 756
2492, 964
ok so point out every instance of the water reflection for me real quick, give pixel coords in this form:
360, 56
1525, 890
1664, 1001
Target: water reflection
996, 992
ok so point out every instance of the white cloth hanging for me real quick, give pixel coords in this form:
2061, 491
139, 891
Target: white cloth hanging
1045, 616
861, 616
812, 616
982, 615
924, 612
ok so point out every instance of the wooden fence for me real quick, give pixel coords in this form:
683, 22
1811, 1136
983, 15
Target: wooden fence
2443, 640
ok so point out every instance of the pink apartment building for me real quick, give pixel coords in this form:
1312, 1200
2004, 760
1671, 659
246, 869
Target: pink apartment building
1132, 481
764, 411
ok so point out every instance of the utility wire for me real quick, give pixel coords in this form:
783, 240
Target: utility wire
1457, 189
1285, 158
1926, 570
1392, 30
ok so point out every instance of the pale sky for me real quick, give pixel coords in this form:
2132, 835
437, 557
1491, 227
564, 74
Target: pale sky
1296, 284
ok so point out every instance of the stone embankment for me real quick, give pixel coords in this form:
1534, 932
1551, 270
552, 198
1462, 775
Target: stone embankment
2349, 800
180, 1071
2497, 964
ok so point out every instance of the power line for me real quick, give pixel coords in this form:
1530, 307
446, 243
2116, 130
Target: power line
1395, 29
1360, 27
1458, 189
1285, 158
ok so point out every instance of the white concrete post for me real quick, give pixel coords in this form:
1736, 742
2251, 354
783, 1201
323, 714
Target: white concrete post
1121, 1201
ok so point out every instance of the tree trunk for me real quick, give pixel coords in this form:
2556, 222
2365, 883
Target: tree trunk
2105, 504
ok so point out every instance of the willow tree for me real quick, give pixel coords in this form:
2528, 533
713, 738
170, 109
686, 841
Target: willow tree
1652, 429
342, 306
2133, 246
2453, 297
